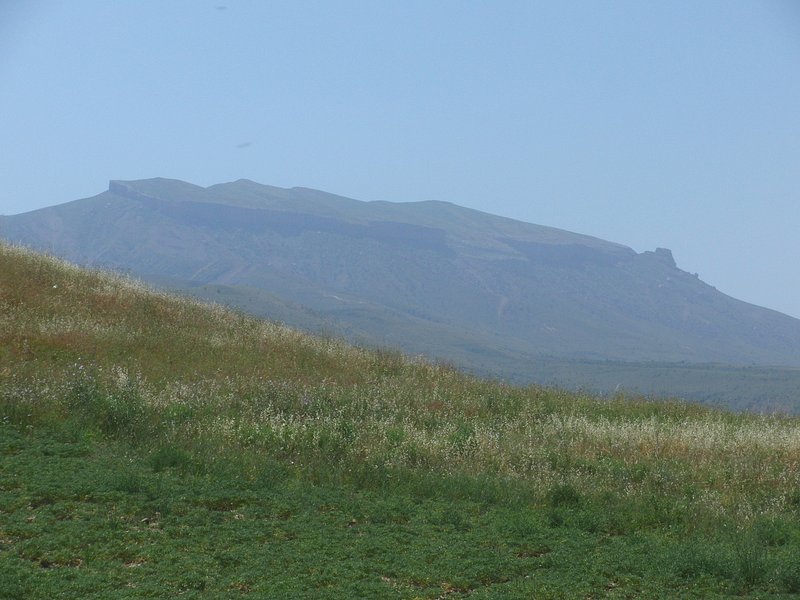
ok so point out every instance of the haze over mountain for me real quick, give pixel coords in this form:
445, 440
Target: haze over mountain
488, 293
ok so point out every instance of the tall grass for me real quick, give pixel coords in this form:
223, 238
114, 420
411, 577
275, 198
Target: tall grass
200, 388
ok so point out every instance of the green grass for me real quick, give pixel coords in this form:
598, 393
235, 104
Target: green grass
154, 447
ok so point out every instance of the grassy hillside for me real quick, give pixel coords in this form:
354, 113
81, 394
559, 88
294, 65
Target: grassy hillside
151, 446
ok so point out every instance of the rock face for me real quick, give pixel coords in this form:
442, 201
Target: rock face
666, 256
430, 277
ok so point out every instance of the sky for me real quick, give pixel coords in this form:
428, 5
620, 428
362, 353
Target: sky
670, 123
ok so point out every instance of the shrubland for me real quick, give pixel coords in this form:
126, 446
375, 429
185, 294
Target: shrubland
153, 446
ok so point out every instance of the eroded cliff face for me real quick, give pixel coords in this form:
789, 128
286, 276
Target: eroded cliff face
665, 256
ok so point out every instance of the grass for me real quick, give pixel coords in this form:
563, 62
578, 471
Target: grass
151, 446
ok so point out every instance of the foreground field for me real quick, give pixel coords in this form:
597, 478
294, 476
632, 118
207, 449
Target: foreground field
152, 447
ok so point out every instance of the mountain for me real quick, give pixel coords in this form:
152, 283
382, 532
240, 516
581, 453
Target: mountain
485, 292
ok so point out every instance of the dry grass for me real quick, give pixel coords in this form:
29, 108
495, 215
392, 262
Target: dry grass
187, 372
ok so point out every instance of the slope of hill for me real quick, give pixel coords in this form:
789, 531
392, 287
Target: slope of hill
490, 294
154, 447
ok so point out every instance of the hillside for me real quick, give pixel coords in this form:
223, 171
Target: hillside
151, 446
489, 294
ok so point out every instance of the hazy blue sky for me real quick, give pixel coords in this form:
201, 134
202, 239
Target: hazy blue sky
666, 123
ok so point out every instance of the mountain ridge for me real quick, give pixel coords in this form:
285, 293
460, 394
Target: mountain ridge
245, 193
390, 274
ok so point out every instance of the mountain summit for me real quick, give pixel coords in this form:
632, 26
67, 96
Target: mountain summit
486, 292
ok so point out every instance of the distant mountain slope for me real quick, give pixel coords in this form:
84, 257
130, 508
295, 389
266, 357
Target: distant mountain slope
486, 292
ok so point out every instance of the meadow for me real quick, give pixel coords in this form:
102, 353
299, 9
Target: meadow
153, 446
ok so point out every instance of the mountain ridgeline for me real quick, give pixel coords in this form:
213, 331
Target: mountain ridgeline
490, 294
